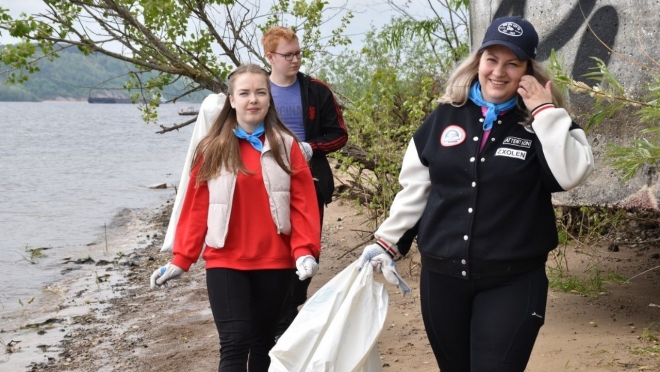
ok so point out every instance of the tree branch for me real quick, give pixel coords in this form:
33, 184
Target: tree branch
176, 127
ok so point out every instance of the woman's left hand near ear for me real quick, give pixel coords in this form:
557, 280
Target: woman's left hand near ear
533, 93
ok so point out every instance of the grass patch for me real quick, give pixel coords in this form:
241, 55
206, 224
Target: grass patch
646, 351
649, 336
590, 284
585, 225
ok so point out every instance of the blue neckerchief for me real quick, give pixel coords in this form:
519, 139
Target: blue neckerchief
252, 138
494, 109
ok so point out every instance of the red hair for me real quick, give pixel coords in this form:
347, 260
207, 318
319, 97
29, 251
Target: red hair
273, 35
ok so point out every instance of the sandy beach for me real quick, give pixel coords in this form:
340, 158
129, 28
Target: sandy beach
107, 319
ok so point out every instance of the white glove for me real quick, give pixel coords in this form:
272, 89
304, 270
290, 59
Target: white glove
307, 267
165, 273
306, 149
381, 260
377, 255
392, 276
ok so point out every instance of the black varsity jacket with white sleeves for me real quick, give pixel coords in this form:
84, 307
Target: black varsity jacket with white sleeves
493, 205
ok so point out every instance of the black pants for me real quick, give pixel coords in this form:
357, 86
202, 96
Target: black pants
246, 306
480, 325
298, 294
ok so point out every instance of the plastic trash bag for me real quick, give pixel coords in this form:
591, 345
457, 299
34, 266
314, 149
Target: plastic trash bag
208, 112
337, 328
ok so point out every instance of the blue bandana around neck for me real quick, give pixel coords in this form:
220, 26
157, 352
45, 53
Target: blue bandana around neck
494, 109
252, 138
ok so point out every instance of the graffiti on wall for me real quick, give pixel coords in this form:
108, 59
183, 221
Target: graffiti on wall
603, 21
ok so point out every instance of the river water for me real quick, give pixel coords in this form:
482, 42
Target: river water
67, 170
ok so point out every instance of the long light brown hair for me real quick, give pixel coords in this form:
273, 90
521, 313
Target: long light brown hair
220, 147
461, 80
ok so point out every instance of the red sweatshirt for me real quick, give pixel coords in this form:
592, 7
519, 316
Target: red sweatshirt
252, 241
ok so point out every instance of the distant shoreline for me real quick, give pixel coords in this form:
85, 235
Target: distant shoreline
64, 100
84, 100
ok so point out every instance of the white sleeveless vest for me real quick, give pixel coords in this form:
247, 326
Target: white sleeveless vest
278, 187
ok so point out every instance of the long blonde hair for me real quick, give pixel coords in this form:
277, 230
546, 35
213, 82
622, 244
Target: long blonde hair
220, 147
461, 80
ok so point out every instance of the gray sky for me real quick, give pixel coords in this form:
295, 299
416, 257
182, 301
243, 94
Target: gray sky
367, 13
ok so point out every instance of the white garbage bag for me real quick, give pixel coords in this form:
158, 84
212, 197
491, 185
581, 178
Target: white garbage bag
337, 328
208, 112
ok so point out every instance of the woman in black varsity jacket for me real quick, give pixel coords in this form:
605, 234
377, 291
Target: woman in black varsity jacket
477, 180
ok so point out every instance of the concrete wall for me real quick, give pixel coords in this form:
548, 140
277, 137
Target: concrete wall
572, 28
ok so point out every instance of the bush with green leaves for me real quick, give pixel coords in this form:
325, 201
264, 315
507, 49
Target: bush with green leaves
387, 93
198, 42
387, 89
610, 98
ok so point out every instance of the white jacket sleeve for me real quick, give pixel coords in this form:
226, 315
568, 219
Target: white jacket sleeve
409, 203
208, 112
566, 150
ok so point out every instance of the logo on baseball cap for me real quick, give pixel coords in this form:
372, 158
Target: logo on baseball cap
514, 33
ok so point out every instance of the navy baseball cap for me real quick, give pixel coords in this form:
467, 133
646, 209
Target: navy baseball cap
514, 33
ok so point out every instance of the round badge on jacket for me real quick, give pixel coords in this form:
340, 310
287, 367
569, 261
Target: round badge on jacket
452, 135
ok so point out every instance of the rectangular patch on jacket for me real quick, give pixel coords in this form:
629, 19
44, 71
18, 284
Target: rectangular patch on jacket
517, 154
517, 142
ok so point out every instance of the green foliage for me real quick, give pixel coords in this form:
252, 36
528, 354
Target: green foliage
33, 254
650, 113
651, 338
563, 237
590, 284
194, 42
610, 98
587, 224
629, 160
447, 40
605, 92
583, 226
649, 350
387, 91
118, 257
446, 36
24, 305
18, 55
306, 18
557, 69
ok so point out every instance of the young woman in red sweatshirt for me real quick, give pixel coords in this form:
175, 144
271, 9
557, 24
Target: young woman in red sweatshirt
247, 208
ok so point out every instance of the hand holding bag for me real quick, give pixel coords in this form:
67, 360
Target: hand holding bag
337, 329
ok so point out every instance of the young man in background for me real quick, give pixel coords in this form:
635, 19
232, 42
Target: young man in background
309, 109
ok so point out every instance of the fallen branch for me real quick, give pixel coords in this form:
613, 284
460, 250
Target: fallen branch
176, 127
